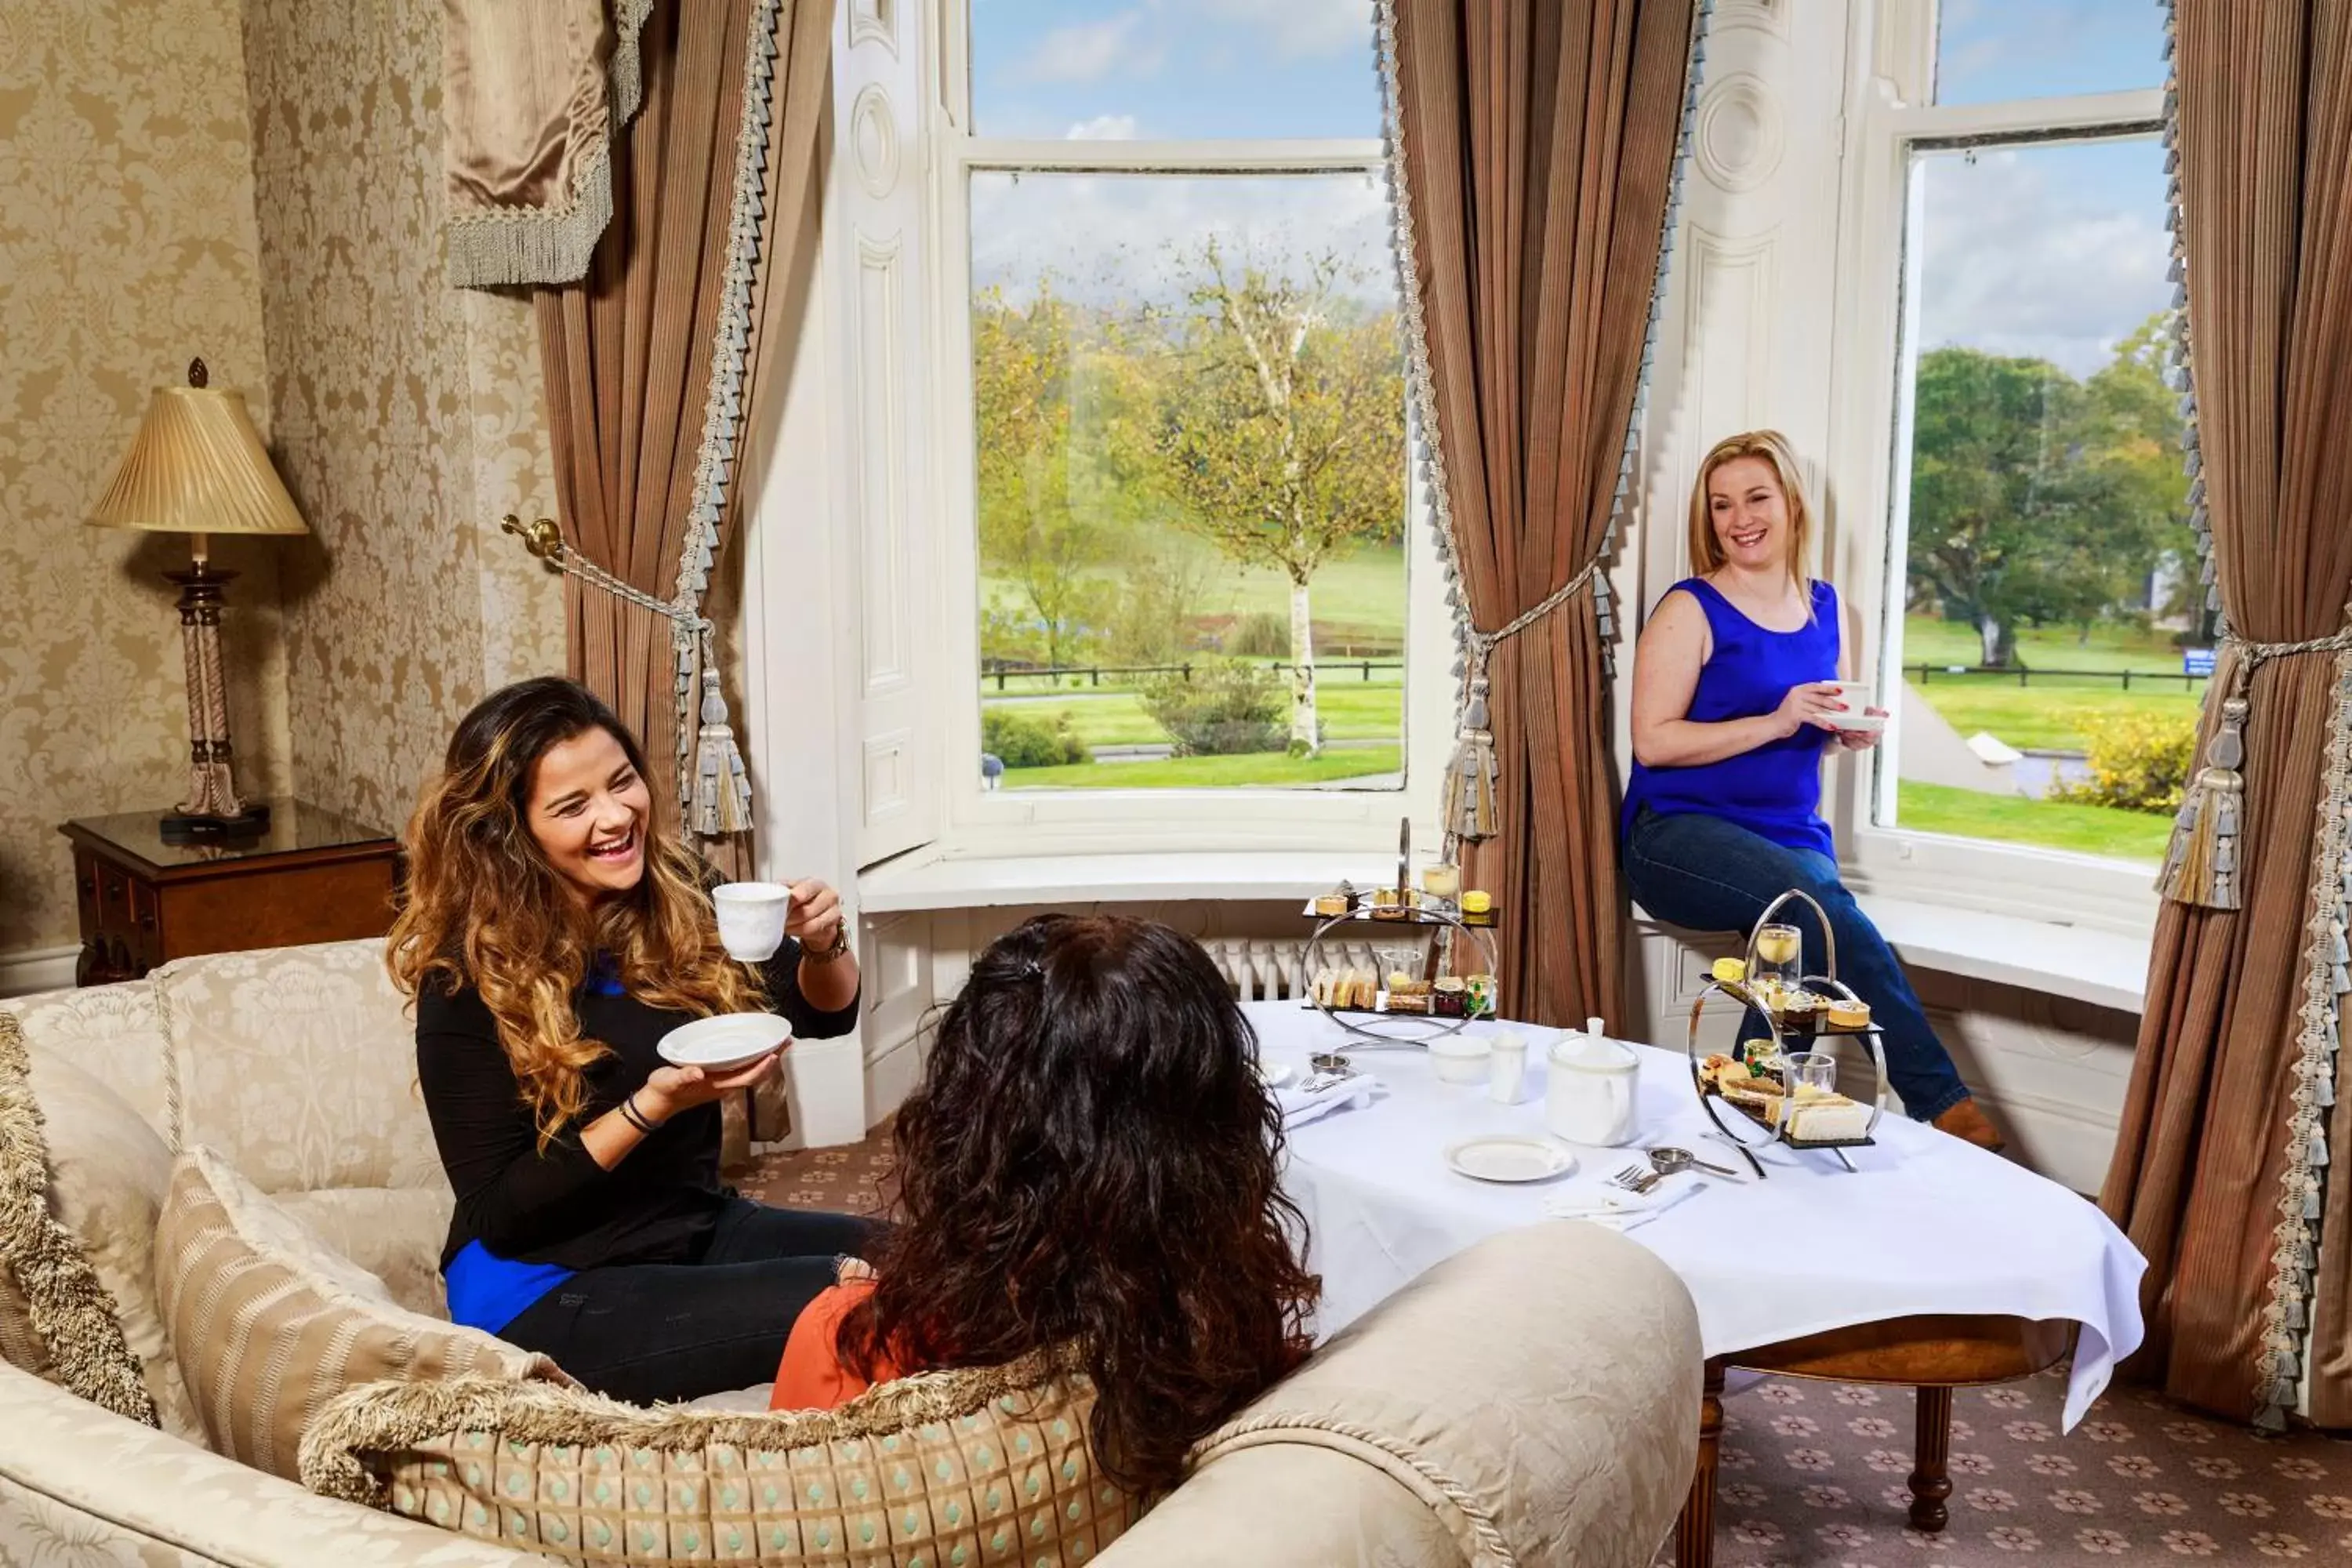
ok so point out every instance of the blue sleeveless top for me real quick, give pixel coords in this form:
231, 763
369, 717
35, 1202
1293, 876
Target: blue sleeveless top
1775, 790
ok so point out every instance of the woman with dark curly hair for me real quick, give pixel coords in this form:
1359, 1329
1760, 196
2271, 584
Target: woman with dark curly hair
554, 930
1091, 1160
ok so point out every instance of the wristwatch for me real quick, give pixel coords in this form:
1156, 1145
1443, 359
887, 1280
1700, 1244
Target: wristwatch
839, 945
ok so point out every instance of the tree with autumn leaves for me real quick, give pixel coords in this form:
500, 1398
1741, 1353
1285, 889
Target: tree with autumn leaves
1262, 411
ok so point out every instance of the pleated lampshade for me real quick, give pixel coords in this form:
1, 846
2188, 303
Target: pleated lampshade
197, 466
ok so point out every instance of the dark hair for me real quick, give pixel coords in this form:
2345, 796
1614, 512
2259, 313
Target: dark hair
1092, 1159
483, 907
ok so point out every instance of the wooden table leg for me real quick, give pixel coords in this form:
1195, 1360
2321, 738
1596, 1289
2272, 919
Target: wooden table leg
1694, 1534
1931, 1483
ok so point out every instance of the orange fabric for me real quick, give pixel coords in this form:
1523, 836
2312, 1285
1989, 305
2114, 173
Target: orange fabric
811, 1376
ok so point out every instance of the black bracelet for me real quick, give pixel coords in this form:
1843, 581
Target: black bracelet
633, 1117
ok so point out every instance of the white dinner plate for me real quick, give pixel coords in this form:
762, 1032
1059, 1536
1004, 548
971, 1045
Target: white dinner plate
1275, 1074
1510, 1159
725, 1042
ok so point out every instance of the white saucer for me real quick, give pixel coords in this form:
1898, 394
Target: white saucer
1275, 1074
1860, 723
1504, 1158
728, 1041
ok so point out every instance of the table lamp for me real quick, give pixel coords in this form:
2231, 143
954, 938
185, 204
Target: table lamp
197, 466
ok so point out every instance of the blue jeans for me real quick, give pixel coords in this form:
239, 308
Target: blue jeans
1706, 874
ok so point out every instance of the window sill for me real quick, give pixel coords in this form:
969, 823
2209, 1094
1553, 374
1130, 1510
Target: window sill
2107, 969
981, 882
2104, 968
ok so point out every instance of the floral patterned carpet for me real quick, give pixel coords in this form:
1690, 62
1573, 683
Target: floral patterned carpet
1813, 1473
846, 1179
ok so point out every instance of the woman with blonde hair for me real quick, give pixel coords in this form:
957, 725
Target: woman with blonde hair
1734, 702
555, 930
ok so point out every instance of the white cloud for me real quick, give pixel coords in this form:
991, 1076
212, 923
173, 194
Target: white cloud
1089, 51
1104, 128
1132, 235
1298, 29
2018, 262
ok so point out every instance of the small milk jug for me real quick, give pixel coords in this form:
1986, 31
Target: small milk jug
1589, 1087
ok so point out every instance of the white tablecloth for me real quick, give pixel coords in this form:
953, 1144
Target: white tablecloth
1925, 1223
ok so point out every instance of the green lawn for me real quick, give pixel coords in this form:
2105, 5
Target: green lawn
1361, 595
1928, 639
1265, 769
1349, 712
2085, 829
2040, 719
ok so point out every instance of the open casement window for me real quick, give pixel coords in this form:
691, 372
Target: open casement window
2037, 617
1181, 597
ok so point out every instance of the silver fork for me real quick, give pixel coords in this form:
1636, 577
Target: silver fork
1635, 1179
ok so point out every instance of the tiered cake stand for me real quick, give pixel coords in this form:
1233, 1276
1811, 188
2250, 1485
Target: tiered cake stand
1790, 1032
1378, 1027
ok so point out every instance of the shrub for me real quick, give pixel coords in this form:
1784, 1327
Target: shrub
1227, 708
1021, 741
1261, 633
2139, 761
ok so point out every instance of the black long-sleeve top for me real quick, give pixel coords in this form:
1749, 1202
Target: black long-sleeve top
561, 1207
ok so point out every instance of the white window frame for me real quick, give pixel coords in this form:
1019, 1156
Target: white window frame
1888, 116
980, 822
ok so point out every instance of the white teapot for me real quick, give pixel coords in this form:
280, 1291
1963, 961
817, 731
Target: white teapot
1588, 1089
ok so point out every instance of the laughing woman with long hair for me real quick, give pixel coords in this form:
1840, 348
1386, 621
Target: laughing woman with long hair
1091, 1162
554, 930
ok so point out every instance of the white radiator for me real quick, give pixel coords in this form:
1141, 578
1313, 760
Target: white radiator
1274, 969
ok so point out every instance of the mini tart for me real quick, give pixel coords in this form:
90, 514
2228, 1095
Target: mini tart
1847, 1014
1331, 904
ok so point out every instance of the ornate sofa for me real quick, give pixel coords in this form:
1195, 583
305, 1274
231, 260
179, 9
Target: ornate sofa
1531, 1401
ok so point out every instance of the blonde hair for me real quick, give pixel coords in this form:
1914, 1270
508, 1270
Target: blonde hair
484, 907
1707, 550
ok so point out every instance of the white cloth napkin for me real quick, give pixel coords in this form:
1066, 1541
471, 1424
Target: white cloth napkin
1299, 1108
1604, 1203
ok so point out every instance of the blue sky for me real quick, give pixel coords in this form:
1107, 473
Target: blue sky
1174, 68
2052, 251
1990, 49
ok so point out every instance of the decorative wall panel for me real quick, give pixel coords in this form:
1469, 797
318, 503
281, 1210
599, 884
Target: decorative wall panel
127, 245
409, 415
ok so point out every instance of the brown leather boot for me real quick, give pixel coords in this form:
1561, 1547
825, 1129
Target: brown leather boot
1969, 1125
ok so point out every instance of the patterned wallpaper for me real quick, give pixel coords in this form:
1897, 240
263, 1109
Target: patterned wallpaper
126, 244
408, 415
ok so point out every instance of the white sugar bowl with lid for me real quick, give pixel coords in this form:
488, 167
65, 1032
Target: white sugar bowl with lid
1589, 1087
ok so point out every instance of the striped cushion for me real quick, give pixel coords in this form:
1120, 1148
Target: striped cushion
267, 1324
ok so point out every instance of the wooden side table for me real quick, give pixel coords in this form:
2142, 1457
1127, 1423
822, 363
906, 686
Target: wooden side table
312, 877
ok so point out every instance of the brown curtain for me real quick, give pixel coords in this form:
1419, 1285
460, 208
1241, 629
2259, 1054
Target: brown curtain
1537, 144
625, 353
533, 93
2266, 143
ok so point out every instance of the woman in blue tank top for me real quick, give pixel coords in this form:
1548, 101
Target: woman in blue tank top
1735, 702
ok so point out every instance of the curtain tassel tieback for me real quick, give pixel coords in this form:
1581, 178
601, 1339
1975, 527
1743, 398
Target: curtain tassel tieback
2200, 862
721, 802
1474, 776
718, 797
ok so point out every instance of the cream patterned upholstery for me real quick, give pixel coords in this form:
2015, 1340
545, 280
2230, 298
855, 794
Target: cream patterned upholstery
300, 1065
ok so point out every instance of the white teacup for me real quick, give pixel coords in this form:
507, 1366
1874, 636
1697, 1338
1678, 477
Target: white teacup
1855, 695
752, 918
